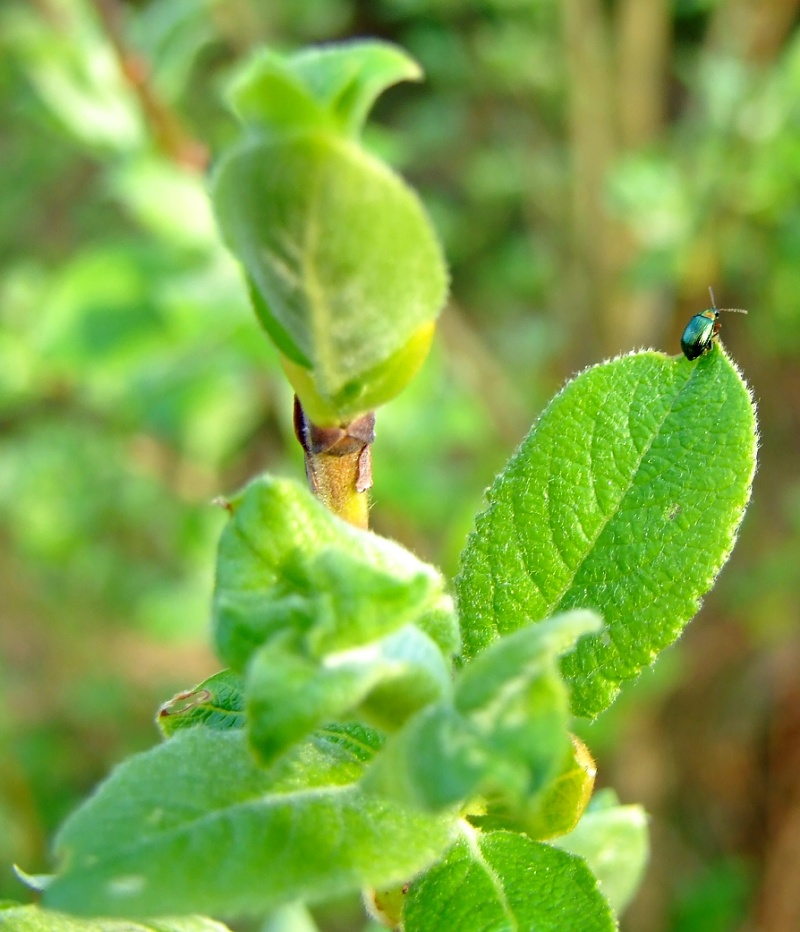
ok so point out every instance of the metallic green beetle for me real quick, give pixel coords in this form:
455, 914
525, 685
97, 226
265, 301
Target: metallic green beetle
701, 331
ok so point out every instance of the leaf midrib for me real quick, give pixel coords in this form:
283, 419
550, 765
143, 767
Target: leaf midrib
556, 602
197, 823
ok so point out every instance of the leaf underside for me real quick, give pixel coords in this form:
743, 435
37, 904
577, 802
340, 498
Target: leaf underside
195, 825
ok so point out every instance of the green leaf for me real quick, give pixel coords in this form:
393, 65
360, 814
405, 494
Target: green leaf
515, 696
514, 662
286, 564
504, 736
558, 808
349, 77
502, 880
354, 739
195, 824
332, 85
435, 761
343, 261
217, 702
289, 693
344, 269
267, 95
378, 384
626, 498
34, 919
331, 622
613, 840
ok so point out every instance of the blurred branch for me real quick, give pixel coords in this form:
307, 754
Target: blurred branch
643, 45
591, 141
779, 906
756, 30
617, 100
168, 131
243, 24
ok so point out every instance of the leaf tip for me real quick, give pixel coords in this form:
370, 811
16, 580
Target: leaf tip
37, 882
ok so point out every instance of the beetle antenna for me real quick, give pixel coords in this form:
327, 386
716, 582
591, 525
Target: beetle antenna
727, 310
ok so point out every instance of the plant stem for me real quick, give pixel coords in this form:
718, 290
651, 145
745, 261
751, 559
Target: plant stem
339, 463
166, 127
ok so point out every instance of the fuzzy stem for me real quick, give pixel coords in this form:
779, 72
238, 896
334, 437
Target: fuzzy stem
339, 463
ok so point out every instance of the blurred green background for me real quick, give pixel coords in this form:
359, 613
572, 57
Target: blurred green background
592, 167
